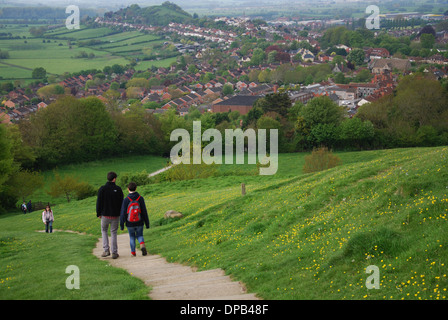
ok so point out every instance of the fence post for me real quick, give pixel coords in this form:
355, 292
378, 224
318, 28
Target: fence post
243, 189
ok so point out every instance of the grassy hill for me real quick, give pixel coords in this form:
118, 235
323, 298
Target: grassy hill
293, 236
158, 15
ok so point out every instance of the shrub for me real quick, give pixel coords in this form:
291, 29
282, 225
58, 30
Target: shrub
191, 171
84, 190
140, 178
70, 187
320, 159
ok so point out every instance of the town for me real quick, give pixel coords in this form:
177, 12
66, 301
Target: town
198, 78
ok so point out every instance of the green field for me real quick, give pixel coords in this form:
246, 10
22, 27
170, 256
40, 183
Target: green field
293, 236
57, 54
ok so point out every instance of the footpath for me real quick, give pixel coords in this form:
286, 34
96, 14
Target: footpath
174, 281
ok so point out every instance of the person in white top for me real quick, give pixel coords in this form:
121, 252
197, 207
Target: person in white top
48, 218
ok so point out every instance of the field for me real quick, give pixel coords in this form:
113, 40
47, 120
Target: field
293, 236
57, 50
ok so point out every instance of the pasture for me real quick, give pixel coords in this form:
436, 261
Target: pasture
57, 49
292, 236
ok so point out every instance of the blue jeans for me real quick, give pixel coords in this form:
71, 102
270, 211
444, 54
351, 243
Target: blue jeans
135, 232
49, 225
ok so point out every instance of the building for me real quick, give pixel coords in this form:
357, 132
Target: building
389, 65
239, 103
303, 96
377, 53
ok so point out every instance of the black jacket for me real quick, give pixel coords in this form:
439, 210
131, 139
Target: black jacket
110, 198
124, 214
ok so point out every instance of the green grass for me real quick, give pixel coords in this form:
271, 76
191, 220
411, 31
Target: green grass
14, 72
95, 172
33, 265
57, 57
293, 236
24, 57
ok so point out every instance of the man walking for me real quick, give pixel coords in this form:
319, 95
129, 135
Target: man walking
108, 205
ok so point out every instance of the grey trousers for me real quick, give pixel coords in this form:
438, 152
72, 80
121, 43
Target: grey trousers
105, 222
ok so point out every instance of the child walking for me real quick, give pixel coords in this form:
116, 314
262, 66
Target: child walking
134, 214
48, 218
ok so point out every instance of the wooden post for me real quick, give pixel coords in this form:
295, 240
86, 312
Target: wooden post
243, 189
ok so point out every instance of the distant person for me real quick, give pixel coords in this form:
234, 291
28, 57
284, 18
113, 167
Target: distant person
48, 218
23, 207
134, 214
108, 205
29, 206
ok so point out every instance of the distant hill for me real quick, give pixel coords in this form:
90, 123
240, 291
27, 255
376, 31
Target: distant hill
159, 15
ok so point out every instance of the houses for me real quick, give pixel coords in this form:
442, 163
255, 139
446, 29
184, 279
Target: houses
303, 96
376, 53
261, 89
240, 103
388, 65
41, 105
193, 98
307, 55
4, 118
157, 90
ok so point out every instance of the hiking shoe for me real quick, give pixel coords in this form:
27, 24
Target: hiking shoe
144, 252
106, 253
115, 255
133, 254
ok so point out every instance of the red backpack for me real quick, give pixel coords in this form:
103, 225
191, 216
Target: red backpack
134, 211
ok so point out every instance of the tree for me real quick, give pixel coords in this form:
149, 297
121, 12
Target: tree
71, 130
258, 57
169, 121
268, 123
322, 110
323, 134
4, 54
354, 132
227, 89
134, 135
37, 31
427, 40
6, 158
52, 90
276, 102
339, 78
192, 69
22, 154
272, 56
117, 69
428, 29
66, 186
410, 115
39, 73
264, 76
356, 56
25, 182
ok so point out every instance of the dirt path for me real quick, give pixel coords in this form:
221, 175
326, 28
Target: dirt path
173, 281
159, 171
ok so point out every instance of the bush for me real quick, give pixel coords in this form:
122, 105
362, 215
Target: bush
140, 178
191, 171
320, 159
70, 187
84, 190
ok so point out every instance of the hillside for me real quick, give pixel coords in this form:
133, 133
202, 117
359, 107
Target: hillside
159, 15
312, 236
294, 235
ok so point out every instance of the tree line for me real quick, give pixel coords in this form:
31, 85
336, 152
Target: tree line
74, 130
